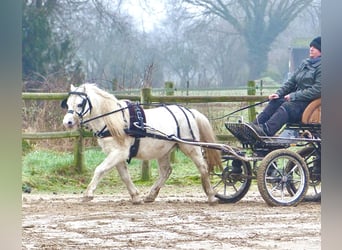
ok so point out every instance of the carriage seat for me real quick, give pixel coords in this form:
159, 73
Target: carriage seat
312, 113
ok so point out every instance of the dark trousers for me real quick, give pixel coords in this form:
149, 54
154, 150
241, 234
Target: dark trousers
279, 112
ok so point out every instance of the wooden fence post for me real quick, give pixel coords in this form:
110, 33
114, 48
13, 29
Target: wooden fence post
169, 91
169, 88
251, 90
146, 94
79, 153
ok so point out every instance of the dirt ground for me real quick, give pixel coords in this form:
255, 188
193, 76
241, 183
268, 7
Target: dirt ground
178, 219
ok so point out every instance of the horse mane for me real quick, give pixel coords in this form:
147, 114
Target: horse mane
104, 102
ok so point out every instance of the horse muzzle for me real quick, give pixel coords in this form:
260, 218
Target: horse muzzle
70, 122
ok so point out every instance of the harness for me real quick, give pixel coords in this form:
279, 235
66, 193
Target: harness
137, 121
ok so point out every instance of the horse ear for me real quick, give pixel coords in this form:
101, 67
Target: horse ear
72, 87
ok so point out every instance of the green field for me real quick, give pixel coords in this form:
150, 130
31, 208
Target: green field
52, 171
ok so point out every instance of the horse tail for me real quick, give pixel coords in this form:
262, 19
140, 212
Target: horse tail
212, 156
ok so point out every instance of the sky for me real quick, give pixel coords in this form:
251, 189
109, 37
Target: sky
146, 13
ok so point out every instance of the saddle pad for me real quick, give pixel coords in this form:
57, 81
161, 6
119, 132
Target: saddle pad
137, 115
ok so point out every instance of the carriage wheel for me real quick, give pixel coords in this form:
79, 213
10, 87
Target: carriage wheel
280, 169
312, 158
232, 187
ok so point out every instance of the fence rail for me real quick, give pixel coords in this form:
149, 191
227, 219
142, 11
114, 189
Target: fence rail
50, 135
145, 96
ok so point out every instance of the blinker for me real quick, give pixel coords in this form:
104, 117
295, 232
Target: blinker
64, 104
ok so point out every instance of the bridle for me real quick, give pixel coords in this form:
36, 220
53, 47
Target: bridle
82, 105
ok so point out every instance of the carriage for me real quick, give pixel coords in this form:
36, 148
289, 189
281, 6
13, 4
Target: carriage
286, 167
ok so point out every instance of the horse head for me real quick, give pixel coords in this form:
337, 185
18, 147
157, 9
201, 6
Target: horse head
88, 104
78, 106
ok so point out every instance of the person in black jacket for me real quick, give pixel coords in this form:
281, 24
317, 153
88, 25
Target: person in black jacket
288, 103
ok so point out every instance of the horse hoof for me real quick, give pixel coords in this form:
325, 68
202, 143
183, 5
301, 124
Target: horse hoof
213, 202
87, 198
137, 202
149, 199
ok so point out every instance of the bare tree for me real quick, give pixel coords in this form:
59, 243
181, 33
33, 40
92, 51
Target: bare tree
259, 22
110, 47
220, 55
177, 47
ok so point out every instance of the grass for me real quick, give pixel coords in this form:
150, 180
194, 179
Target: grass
52, 171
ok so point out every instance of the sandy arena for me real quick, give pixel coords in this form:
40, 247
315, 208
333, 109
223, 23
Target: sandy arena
179, 219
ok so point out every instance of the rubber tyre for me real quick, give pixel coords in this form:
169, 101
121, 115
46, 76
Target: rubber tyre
274, 176
310, 155
231, 187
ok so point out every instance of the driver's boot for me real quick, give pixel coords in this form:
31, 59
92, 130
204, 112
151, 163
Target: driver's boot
236, 167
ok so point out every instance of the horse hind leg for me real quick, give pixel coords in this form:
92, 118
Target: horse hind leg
164, 173
196, 156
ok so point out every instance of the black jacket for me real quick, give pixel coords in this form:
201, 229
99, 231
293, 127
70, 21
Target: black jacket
305, 83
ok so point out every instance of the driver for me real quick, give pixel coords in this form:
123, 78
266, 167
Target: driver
288, 103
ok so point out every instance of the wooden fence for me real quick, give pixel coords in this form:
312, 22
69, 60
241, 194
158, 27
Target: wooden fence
145, 97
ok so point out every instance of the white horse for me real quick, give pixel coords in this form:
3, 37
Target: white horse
109, 119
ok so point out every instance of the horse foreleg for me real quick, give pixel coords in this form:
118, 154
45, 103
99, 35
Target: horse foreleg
126, 178
99, 173
164, 173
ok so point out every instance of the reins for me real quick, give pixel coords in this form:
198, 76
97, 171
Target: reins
118, 110
103, 115
146, 104
243, 108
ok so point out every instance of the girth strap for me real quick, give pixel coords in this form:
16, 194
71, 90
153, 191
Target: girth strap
133, 150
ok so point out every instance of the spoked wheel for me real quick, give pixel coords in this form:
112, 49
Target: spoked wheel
233, 183
280, 169
312, 158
